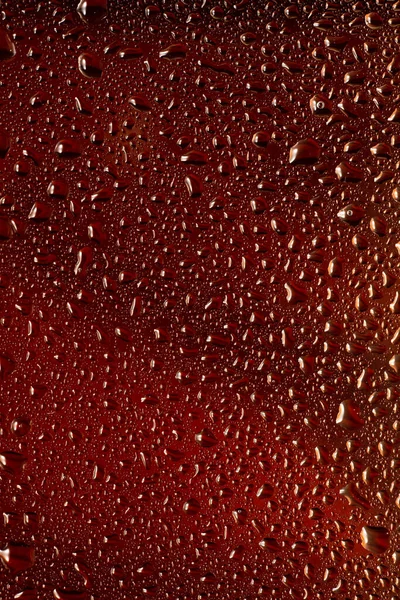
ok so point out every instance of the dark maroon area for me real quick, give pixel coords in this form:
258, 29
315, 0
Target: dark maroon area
199, 300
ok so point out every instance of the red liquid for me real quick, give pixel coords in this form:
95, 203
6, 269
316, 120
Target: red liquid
199, 299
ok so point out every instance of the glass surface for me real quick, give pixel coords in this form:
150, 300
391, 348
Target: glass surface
199, 300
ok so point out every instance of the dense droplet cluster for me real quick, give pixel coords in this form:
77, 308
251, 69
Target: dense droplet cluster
199, 299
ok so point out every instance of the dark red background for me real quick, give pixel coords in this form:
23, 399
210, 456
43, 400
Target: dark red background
182, 309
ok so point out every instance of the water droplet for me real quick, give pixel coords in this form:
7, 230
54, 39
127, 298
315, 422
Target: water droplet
206, 438
349, 416
305, 152
90, 65
375, 539
68, 148
92, 10
17, 557
7, 48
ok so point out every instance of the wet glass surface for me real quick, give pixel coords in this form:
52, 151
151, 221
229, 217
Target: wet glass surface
199, 300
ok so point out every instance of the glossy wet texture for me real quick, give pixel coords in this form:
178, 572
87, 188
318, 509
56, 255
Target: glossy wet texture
199, 300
